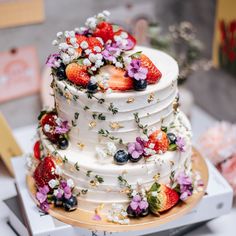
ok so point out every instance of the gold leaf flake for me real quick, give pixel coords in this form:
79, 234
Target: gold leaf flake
156, 177
130, 100
175, 106
92, 124
81, 146
115, 125
68, 97
150, 97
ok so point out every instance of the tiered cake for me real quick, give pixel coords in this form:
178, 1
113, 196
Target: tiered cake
116, 142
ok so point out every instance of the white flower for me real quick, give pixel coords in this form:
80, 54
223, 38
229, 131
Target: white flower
118, 64
53, 183
70, 183
58, 170
154, 194
47, 127
57, 63
59, 35
71, 51
67, 34
54, 42
97, 49
92, 57
77, 30
127, 61
93, 79
63, 46
99, 63
101, 154
100, 16
124, 35
73, 40
111, 148
151, 145
72, 33
84, 45
87, 51
87, 62
134, 193
93, 68
99, 56
106, 13
65, 58
117, 38
91, 22
55, 192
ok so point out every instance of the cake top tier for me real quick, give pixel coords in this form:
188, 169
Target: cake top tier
101, 57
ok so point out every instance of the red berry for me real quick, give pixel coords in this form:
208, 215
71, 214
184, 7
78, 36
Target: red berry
77, 74
153, 74
104, 30
93, 42
44, 172
36, 148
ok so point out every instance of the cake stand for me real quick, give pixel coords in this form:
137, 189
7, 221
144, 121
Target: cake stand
83, 219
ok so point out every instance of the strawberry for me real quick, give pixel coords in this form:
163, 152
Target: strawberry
160, 141
153, 74
77, 74
48, 123
44, 172
37, 151
131, 39
104, 30
93, 42
117, 80
161, 198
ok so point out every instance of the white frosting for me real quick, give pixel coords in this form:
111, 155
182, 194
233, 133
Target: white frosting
154, 105
154, 108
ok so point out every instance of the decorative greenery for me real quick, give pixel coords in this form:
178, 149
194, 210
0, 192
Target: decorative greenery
76, 166
124, 183
141, 126
112, 108
64, 159
99, 179
86, 108
88, 174
106, 134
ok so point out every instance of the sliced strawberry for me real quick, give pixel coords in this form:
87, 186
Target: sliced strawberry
153, 74
168, 198
117, 80
94, 42
37, 151
104, 30
160, 141
48, 123
77, 74
44, 172
131, 40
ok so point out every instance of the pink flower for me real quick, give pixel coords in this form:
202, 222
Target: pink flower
62, 127
97, 217
41, 195
180, 142
44, 206
52, 58
185, 186
136, 149
138, 204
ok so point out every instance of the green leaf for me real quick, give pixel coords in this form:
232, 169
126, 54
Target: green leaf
172, 147
42, 113
136, 55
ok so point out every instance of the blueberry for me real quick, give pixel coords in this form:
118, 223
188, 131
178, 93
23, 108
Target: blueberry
70, 204
171, 137
92, 87
62, 143
60, 72
58, 202
135, 159
121, 157
140, 85
145, 212
130, 212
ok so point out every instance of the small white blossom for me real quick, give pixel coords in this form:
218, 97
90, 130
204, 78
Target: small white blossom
111, 148
117, 38
47, 127
65, 58
101, 154
58, 170
127, 61
53, 183
59, 35
70, 183
72, 33
93, 79
57, 63
151, 145
87, 62
91, 22
63, 46
73, 40
55, 42
154, 194
100, 16
106, 13
84, 45
99, 56
66, 34
118, 64
92, 57
77, 30
87, 51
124, 35
100, 40
97, 49
93, 68
55, 192
71, 51
99, 63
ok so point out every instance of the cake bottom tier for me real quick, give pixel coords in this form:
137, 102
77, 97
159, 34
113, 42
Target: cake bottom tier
99, 182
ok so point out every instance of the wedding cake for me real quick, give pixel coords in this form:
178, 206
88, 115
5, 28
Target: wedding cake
116, 142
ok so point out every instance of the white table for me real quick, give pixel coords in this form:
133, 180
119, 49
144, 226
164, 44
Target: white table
223, 225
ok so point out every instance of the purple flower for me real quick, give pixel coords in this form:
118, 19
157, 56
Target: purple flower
62, 127
135, 70
138, 204
111, 52
185, 185
63, 184
97, 217
180, 142
67, 192
136, 149
41, 195
59, 193
52, 58
44, 206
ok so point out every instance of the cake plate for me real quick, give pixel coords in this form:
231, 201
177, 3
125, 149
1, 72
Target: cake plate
83, 219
